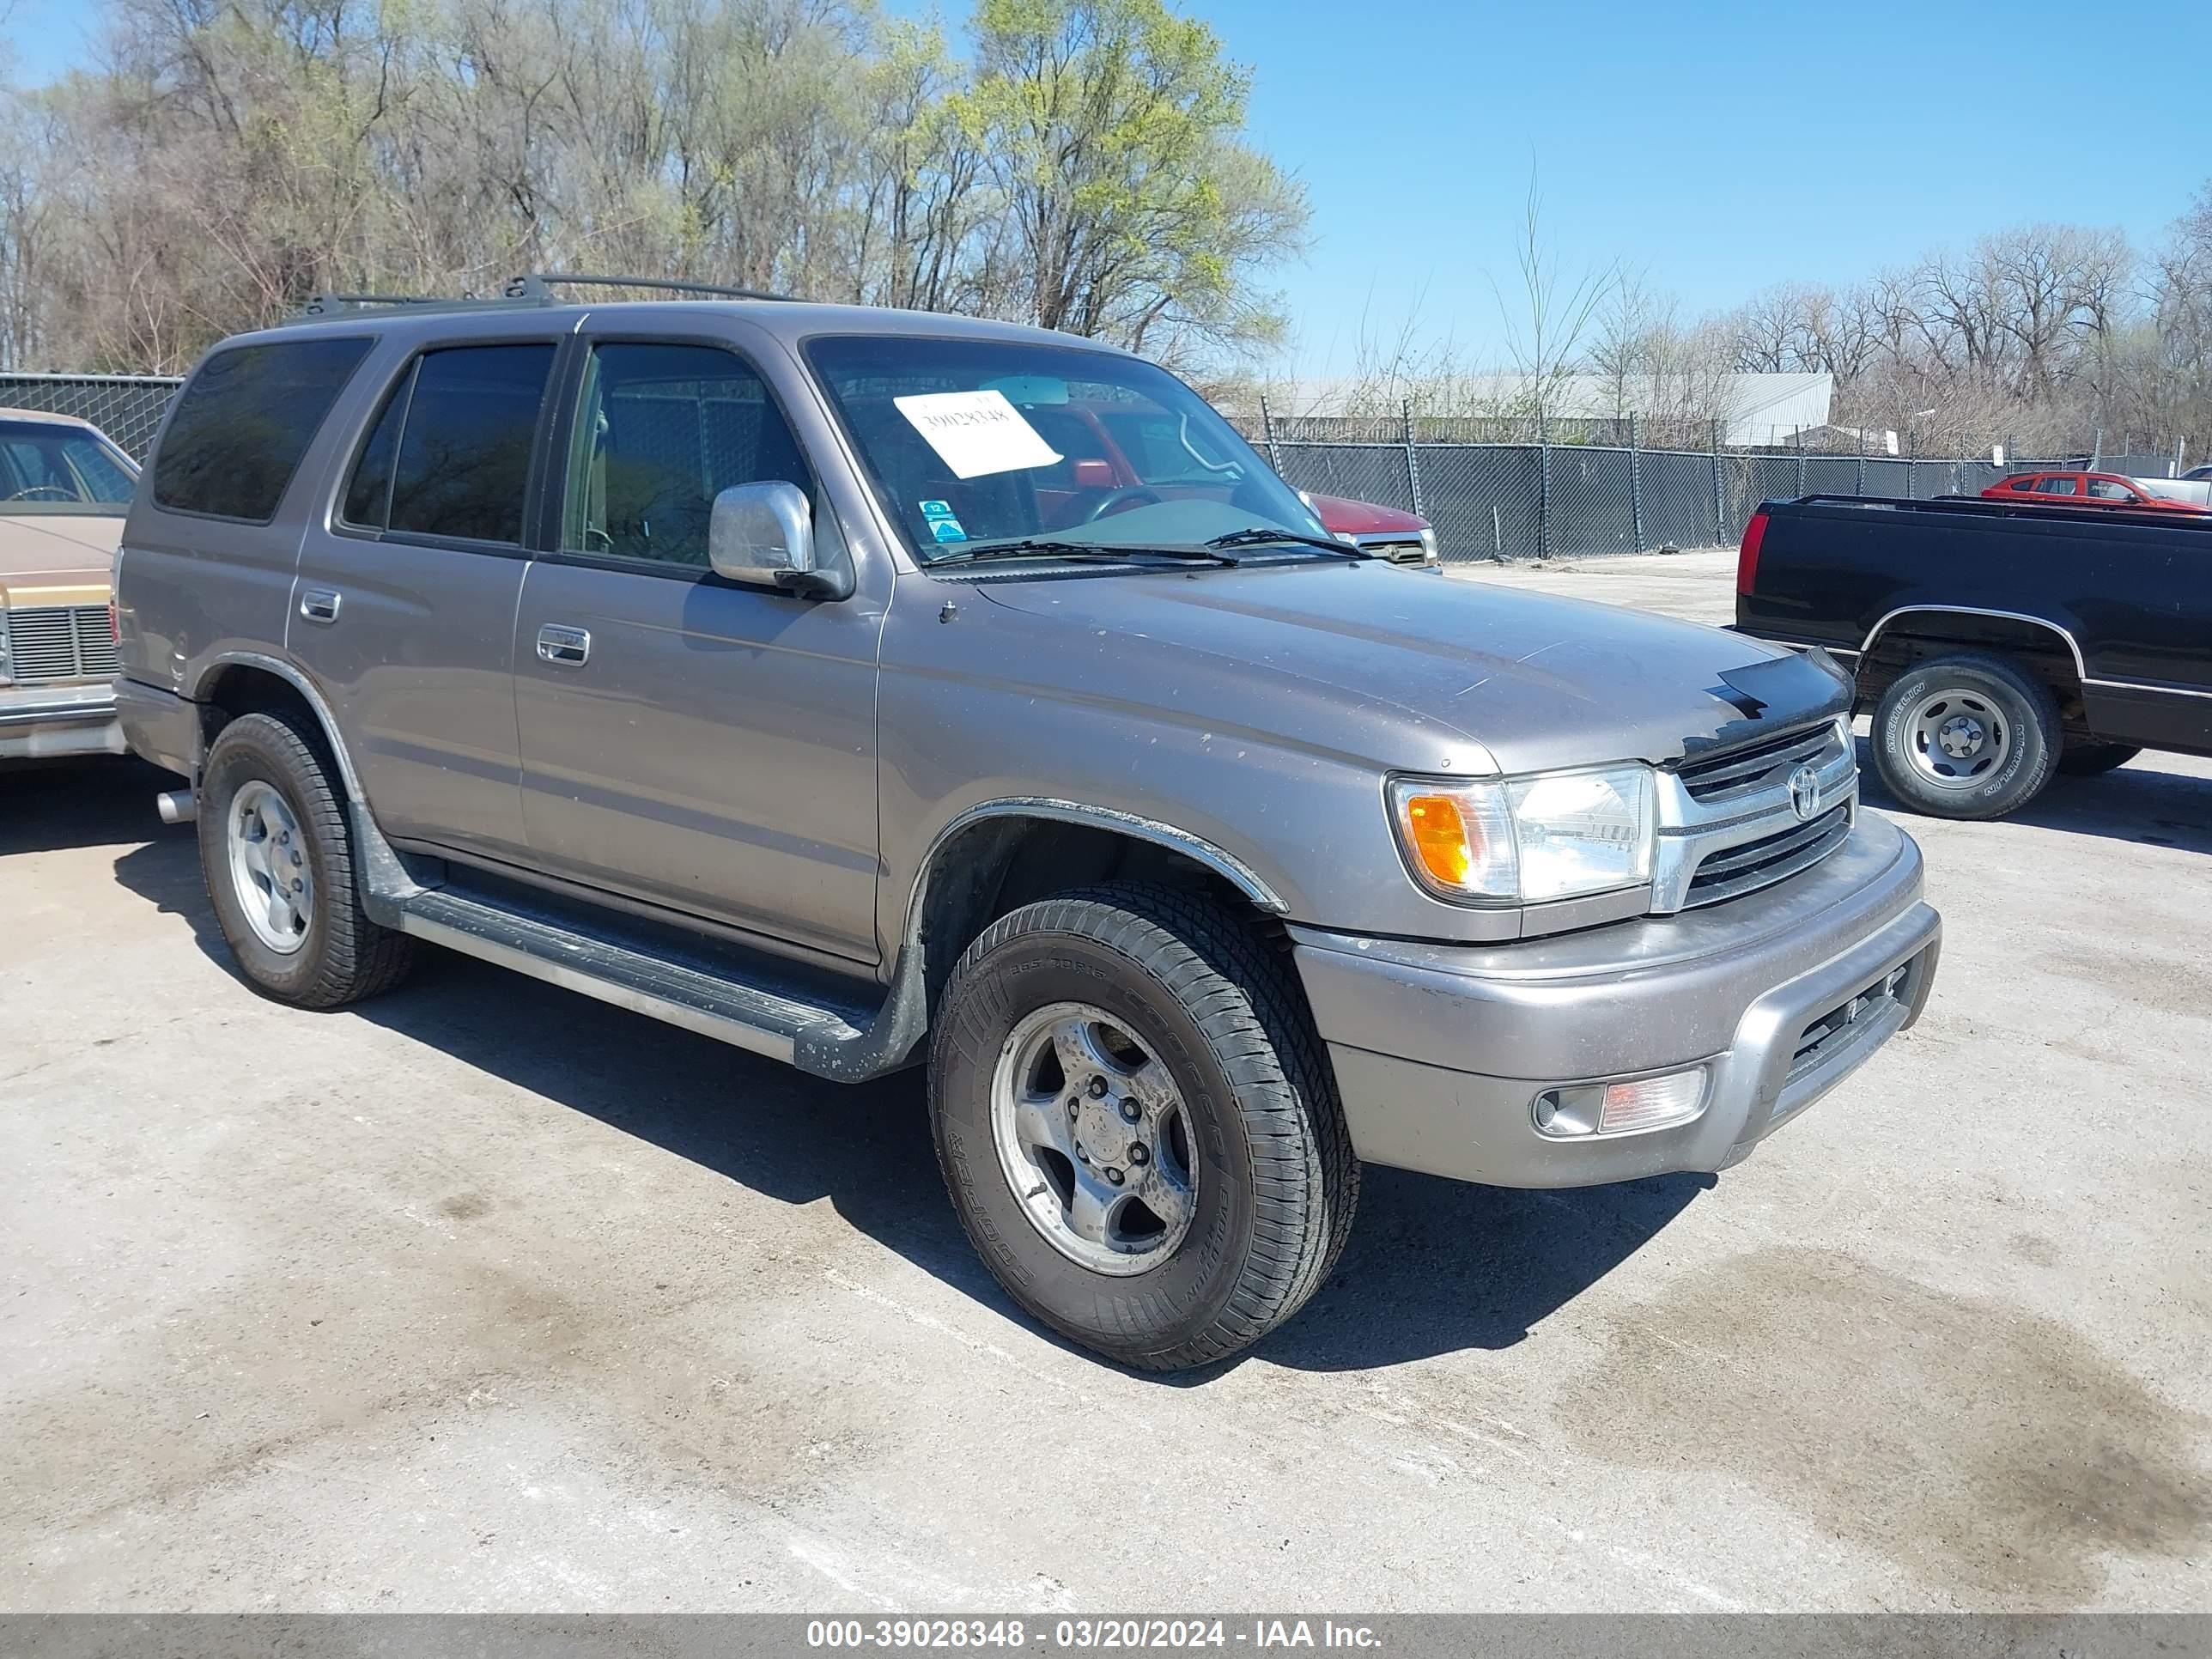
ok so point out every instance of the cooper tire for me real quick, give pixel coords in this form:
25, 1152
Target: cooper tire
1966, 737
1195, 990
340, 955
2090, 760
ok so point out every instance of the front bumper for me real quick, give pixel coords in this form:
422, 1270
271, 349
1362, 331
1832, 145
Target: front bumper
38, 722
1440, 1051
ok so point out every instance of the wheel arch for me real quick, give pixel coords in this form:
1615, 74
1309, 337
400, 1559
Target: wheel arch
248, 682
1915, 633
999, 854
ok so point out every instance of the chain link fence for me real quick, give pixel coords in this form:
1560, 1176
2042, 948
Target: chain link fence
128, 408
1536, 501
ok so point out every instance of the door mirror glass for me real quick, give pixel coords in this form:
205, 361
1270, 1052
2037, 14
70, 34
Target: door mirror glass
763, 532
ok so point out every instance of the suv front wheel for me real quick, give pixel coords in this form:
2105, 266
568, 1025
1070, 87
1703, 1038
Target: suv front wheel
1139, 1131
276, 852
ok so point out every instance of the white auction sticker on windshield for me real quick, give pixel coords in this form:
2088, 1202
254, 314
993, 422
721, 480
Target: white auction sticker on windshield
976, 433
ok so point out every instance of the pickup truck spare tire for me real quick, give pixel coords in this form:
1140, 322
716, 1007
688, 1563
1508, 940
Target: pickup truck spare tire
276, 852
1971, 736
1139, 1128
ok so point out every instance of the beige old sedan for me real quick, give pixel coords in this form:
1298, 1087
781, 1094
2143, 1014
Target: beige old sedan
64, 492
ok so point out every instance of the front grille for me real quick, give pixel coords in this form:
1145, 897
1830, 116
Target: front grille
61, 642
1734, 871
1742, 771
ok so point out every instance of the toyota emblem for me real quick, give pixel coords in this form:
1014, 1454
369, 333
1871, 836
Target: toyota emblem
1805, 792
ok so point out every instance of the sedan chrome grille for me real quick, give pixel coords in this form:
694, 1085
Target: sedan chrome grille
52, 642
1732, 823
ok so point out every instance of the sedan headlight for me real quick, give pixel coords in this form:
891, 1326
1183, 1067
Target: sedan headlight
1428, 543
1525, 840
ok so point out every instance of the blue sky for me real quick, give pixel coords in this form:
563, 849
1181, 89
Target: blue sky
1719, 148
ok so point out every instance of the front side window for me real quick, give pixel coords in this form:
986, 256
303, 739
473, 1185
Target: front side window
48, 467
241, 427
2110, 490
970, 443
661, 431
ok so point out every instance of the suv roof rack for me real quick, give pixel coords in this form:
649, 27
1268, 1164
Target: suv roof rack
539, 283
534, 288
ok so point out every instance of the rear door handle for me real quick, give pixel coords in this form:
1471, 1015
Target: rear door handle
319, 604
569, 646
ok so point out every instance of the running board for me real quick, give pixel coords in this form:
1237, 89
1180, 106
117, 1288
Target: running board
750, 1001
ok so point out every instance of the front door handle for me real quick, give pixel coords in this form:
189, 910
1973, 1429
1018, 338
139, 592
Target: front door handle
319, 604
569, 646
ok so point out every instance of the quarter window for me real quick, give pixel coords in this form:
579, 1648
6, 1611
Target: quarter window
661, 431
368, 497
242, 425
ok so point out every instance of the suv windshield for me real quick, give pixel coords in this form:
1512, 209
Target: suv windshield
46, 467
971, 443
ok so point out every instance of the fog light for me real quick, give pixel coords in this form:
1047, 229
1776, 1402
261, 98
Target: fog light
1620, 1109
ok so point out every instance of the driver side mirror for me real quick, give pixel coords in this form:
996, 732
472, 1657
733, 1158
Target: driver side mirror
764, 533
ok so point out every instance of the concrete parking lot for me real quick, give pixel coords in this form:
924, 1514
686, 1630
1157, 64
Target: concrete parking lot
486, 1296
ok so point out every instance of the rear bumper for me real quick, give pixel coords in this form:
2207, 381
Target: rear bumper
160, 726
1441, 1051
38, 722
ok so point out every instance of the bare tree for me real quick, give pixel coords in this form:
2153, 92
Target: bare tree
1549, 317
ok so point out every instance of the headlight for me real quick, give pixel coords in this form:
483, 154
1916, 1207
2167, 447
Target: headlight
1525, 840
7, 668
1428, 543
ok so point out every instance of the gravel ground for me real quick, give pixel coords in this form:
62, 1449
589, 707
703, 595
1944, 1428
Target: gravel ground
486, 1296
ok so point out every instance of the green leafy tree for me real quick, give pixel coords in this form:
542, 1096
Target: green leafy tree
1113, 128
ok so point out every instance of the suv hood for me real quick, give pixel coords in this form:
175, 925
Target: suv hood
59, 550
1313, 652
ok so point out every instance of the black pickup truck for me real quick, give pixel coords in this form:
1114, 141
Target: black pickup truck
1995, 643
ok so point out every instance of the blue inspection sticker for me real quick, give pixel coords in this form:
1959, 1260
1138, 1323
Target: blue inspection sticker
937, 509
947, 530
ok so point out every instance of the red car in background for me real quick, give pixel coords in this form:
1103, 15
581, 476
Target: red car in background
1097, 442
2095, 489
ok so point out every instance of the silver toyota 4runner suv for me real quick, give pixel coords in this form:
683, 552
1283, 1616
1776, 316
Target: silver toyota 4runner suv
780, 672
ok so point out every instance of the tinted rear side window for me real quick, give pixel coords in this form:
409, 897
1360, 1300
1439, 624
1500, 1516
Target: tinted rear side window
243, 423
464, 458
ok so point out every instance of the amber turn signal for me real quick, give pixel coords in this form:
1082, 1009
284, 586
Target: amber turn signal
1442, 838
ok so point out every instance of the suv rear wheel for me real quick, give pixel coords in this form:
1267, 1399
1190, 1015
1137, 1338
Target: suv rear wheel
1139, 1131
276, 852
1966, 737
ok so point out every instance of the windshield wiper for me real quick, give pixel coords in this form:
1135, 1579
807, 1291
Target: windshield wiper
1048, 547
1260, 535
